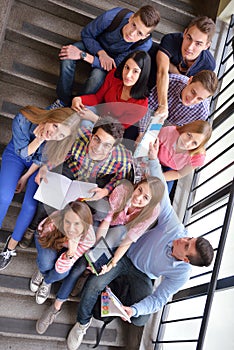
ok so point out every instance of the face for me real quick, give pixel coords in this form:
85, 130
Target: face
72, 225
135, 30
131, 73
188, 141
56, 131
183, 247
194, 42
141, 196
194, 93
100, 145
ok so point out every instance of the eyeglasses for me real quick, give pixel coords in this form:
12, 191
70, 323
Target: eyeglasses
105, 145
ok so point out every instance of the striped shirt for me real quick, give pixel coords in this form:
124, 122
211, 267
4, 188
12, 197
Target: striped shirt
116, 166
178, 114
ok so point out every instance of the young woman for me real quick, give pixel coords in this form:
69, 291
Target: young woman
22, 157
132, 210
126, 83
62, 238
182, 149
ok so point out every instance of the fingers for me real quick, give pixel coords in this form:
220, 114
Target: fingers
69, 52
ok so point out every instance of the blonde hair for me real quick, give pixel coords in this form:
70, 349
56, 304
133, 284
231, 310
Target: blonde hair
156, 187
56, 238
54, 151
197, 127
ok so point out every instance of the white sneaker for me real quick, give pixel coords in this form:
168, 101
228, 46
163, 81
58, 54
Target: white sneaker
76, 335
43, 292
36, 281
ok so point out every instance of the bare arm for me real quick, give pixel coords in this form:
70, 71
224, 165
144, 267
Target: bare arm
162, 79
178, 174
102, 229
24, 178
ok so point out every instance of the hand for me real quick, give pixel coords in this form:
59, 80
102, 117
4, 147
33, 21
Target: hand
39, 132
41, 175
153, 150
162, 113
107, 63
69, 52
88, 115
21, 184
129, 311
72, 246
105, 269
77, 104
99, 193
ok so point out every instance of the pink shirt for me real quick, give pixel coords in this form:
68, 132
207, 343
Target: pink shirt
167, 153
123, 217
63, 264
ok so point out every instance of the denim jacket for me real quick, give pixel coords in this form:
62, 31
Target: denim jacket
22, 135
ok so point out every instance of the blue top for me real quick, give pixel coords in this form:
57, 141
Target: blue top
95, 38
22, 135
171, 46
151, 254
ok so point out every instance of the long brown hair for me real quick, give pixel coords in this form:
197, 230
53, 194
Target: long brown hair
56, 238
197, 127
156, 187
54, 151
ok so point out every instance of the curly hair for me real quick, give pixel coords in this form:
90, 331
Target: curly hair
111, 126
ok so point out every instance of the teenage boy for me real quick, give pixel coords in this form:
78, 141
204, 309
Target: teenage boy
105, 42
188, 99
166, 250
182, 53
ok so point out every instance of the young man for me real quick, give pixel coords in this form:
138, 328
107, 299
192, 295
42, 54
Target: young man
182, 53
104, 47
188, 98
166, 250
97, 156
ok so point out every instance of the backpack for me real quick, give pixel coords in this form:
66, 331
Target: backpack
120, 289
116, 22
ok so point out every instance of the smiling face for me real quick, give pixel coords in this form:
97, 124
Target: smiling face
194, 42
100, 145
141, 196
135, 30
131, 73
56, 131
187, 141
194, 93
183, 247
72, 225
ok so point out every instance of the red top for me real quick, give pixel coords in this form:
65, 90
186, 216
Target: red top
128, 112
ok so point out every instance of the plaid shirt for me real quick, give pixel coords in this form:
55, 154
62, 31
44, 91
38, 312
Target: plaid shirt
116, 166
178, 114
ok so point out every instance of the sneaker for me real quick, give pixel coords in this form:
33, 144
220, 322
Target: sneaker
27, 238
36, 281
56, 104
5, 258
76, 335
43, 292
47, 319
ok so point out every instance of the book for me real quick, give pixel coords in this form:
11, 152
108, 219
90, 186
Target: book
112, 306
61, 190
100, 254
150, 135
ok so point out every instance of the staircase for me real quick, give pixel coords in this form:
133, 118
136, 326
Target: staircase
31, 34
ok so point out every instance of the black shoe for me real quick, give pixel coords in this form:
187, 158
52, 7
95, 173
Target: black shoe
5, 258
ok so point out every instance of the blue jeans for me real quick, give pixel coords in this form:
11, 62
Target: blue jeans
140, 287
11, 170
67, 77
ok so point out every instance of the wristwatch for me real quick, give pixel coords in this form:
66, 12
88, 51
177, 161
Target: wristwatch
83, 55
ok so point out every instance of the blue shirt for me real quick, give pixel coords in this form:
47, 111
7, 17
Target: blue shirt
171, 46
22, 135
151, 254
95, 38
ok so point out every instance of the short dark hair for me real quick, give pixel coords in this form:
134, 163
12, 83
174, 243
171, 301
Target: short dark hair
148, 15
205, 25
142, 59
205, 253
208, 79
111, 126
